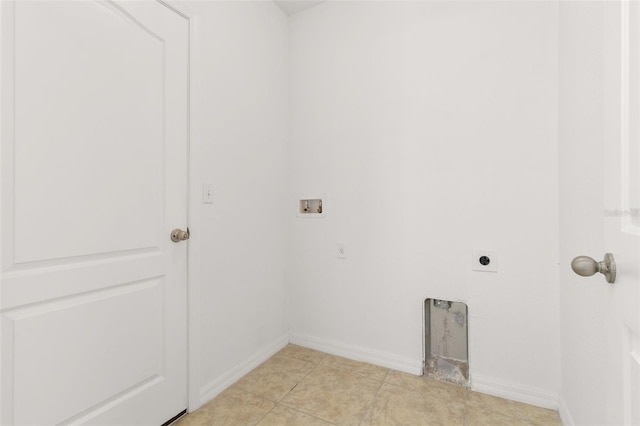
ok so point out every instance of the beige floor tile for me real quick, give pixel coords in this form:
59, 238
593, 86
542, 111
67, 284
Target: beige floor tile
475, 417
200, 417
334, 395
479, 403
283, 416
396, 406
426, 385
362, 368
231, 408
303, 354
275, 378
316, 389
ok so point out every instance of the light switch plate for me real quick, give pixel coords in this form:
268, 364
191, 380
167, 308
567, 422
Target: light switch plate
207, 193
484, 260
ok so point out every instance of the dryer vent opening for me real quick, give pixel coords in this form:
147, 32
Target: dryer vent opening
446, 354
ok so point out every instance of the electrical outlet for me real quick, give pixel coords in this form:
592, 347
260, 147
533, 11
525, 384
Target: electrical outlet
484, 260
342, 250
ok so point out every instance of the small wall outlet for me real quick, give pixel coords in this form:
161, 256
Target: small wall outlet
484, 260
342, 250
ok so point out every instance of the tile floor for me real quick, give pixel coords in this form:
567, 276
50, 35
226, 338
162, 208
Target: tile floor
301, 387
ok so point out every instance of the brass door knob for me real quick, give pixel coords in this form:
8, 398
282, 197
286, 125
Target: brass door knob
178, 235
586, 266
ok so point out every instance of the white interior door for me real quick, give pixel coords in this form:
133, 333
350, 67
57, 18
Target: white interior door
622, 209
94, 178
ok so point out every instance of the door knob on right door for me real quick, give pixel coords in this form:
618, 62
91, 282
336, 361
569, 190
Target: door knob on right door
586, 266
178, 235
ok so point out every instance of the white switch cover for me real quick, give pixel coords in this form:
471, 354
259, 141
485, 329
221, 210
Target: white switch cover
484, 260
342, 250
207, 193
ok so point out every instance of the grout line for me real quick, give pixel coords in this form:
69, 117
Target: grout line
297, 383
298, 409
373, 399
248, 391
305, 413
266, 414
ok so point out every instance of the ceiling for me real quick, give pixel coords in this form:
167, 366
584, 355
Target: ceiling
294, 6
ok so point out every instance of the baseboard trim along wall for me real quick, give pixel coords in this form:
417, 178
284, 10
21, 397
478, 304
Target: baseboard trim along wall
214, 388
479, 383
514, 391
358, 353
565, 415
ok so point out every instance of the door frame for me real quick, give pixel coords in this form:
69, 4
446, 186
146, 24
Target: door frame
193, 209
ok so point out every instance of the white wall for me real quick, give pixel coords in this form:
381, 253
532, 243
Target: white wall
242, 56
432, 129
581, 148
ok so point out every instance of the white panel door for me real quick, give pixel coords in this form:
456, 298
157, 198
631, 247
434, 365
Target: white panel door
94, 178
622, 209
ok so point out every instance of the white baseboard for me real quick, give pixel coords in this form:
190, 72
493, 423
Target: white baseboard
214, 388
479, 383
514, 391
565, 415
359, 353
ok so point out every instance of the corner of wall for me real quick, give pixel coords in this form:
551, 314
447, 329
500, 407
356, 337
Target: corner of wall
218, 385
565, 415
358, 353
